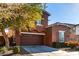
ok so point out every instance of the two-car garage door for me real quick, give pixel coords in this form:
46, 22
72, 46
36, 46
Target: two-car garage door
31, 39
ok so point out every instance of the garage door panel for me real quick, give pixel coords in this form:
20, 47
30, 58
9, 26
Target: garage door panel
31, 39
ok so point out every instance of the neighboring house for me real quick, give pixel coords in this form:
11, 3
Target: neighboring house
57, 32
76, 32
62, 32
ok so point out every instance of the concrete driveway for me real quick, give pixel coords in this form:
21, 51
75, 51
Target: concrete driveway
37, 50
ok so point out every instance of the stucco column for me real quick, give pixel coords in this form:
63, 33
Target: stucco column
17, 36
44, 40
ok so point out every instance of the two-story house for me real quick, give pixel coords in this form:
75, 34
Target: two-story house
35, 36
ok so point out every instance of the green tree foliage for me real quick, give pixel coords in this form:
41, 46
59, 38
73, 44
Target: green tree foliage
21, 16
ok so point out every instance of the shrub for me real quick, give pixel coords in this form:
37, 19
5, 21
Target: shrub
3, 49
77, 49
58, 45
71, 44
16, 49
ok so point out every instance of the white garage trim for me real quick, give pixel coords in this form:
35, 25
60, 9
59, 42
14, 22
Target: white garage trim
32, 33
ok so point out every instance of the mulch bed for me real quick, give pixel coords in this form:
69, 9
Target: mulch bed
10, 53
69, 49
7, 53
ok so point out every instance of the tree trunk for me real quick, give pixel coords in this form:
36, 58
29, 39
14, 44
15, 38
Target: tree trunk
6, 38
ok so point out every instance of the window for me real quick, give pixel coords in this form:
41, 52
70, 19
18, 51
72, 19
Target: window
38, 22
73, 30
61, 36
77, 30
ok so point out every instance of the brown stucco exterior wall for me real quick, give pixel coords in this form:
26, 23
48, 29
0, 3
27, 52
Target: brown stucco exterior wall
77, 38
48, 36
43, 22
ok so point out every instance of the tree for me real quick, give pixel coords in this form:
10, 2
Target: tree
19, 16
4, 15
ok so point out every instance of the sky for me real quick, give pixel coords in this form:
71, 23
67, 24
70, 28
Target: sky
63, 12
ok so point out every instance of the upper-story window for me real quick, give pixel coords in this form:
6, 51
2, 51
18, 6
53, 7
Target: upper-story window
73, 30
77, 30
38, 22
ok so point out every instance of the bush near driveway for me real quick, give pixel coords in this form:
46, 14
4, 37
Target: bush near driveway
72, 44
16, 49
58, 45
3, 49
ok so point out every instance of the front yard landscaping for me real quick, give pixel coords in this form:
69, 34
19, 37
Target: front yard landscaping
68, 46
12, 50
15, 51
